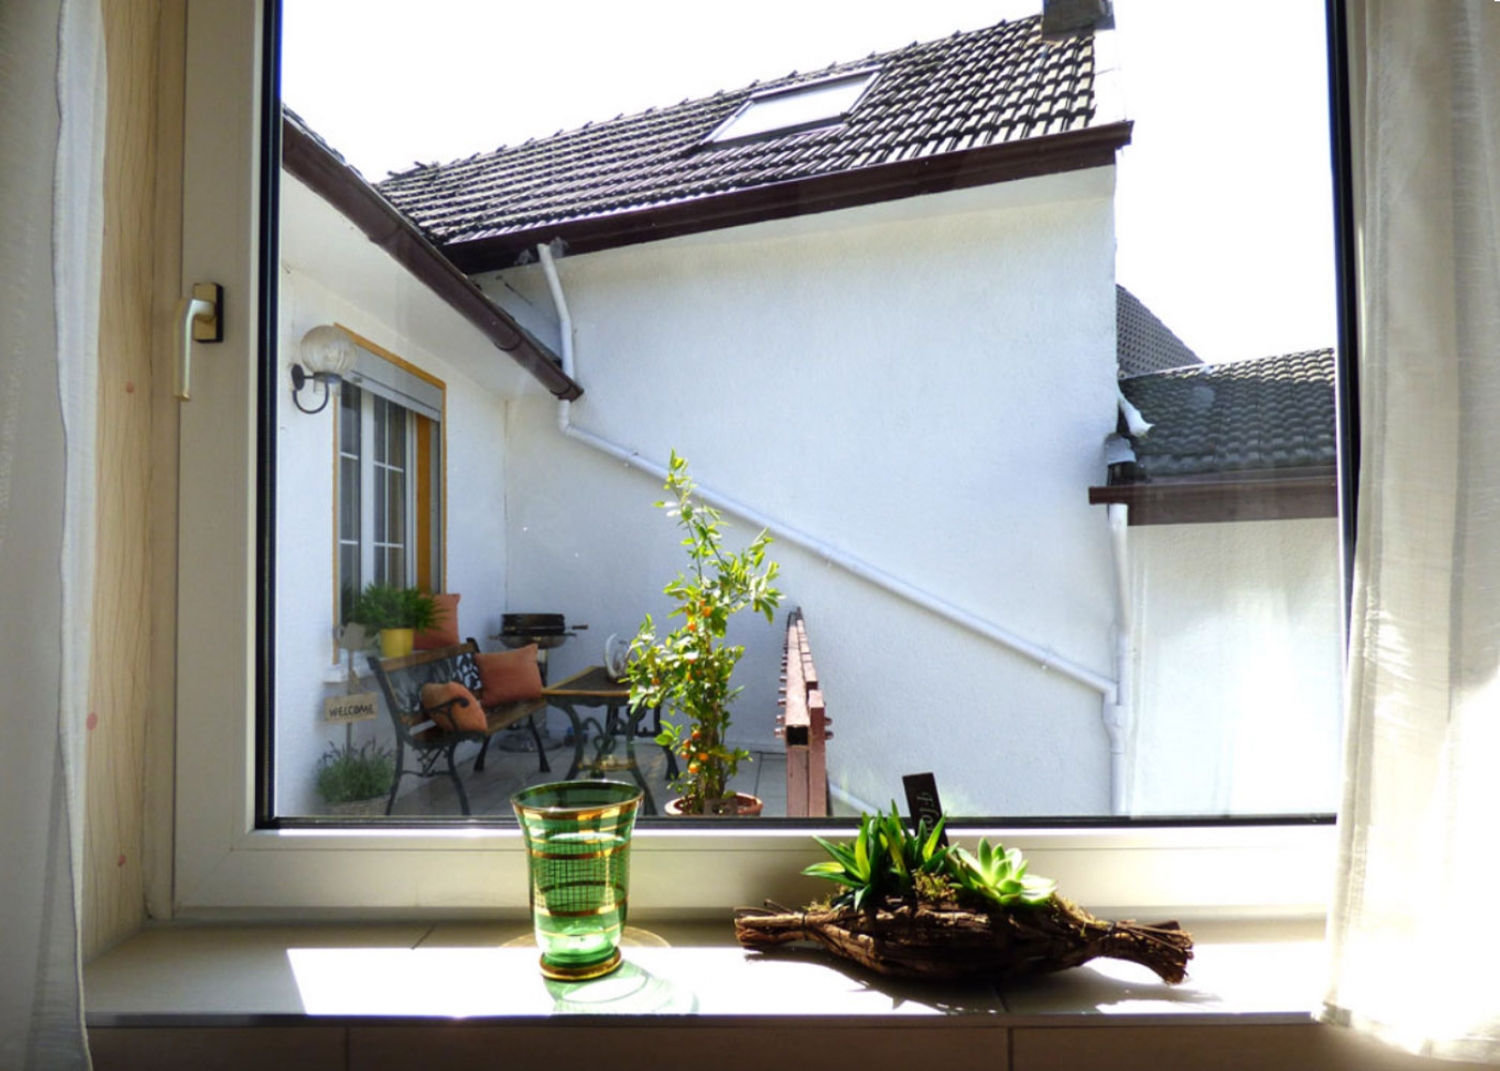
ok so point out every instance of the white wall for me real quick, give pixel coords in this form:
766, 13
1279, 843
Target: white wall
924, 385
1237, 693
331, 274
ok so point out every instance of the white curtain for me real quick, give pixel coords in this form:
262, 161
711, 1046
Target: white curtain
1413, 933
51, 209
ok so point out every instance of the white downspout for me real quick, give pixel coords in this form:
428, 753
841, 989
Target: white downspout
1039, 654
1117, 711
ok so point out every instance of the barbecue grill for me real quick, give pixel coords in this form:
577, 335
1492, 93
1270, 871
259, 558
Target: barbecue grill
545, 630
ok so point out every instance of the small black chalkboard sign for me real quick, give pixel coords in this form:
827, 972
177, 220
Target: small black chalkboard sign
922, 799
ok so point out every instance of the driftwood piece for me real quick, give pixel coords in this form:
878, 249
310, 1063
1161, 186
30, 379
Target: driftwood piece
925, 940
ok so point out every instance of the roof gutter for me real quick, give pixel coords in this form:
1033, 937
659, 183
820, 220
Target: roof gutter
314, 164
1269, 495
1052, 154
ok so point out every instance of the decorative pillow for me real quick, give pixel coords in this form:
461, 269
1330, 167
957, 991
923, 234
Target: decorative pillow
464, 670
510, 676
460, 717
445, 632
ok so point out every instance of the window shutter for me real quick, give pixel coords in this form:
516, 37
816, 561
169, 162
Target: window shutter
394, 383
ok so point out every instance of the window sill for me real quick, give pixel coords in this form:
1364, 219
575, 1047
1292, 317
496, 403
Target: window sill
461, 995
202, 975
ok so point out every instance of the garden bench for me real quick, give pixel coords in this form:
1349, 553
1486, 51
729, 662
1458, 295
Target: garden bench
419, 728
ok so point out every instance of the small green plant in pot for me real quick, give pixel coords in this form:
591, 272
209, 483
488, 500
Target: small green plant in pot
398, 614
688, 670
348, 776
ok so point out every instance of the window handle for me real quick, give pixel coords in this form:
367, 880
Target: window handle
199, 319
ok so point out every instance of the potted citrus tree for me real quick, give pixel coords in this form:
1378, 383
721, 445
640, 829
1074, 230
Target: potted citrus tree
687, 671
354, 780
398, 614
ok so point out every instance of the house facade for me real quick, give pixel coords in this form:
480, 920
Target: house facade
852, 350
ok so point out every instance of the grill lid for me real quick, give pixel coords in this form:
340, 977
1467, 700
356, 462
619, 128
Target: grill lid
536, 624
544, 630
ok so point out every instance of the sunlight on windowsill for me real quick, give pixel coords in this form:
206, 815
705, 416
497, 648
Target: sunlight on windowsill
1269, 972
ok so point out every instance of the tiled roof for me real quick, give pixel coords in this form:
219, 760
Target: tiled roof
1248, 417
985, 88
1143, 342
308, 158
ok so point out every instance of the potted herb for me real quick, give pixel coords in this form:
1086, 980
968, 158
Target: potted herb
398, 614
354, 780
688, 670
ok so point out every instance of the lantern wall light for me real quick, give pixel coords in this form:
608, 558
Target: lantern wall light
327, 356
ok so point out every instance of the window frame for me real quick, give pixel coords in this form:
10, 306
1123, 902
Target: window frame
227, 864
725, 133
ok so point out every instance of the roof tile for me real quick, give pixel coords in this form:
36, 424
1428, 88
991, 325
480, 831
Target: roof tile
1244, 417
991, 86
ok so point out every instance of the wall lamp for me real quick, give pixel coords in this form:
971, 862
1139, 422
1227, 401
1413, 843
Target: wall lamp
327, 355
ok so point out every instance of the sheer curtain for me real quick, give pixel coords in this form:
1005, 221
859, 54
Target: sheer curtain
51, 183
1413, 933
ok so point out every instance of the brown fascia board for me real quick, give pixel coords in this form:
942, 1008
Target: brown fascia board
1293, 495
311, 162
1031, 158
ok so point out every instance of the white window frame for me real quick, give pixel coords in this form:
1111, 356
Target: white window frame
225, 867
743, 126
372, 551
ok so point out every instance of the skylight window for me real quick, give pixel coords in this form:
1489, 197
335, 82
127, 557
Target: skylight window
804, 107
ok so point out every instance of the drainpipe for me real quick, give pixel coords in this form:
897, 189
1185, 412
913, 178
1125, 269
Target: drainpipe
1117, 709
862, 569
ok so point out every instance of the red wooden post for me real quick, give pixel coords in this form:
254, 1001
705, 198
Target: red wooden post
804, 726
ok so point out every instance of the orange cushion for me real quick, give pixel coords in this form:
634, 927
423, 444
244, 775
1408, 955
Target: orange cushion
461, 717
510, 676
445, 632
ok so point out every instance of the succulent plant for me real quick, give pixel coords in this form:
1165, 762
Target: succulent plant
887, 859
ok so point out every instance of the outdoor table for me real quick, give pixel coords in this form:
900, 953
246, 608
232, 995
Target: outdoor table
594, 687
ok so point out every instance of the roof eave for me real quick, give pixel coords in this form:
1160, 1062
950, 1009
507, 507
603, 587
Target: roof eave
311, 162
1034, 157
1274, 495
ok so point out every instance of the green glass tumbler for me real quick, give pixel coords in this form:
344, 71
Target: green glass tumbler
578, 856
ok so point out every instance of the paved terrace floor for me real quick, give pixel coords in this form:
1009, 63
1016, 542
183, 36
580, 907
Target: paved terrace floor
511, 765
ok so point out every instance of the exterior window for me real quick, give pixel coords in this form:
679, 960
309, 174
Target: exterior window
388, 499
806, 107
389, 475
536, 523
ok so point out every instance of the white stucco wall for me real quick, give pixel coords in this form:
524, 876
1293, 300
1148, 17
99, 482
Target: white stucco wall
1237, 694
332, 274
924, 385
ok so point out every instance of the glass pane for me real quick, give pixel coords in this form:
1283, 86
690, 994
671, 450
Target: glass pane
382, 410
349, 585
381, 533
824, 102
395, 431
1050, 460
349, 422
349, 498
395, 503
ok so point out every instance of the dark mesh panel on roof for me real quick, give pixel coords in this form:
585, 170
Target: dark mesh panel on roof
970, 90
1143, 342
1249, 416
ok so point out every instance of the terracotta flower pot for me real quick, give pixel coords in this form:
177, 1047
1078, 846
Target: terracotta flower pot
745, 806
